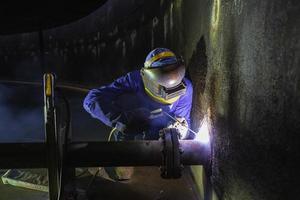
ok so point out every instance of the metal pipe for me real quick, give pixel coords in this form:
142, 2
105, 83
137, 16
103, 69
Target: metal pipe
92, 154
23, 155
127, 153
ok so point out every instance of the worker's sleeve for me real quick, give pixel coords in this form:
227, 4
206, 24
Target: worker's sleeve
184, 106
100, 102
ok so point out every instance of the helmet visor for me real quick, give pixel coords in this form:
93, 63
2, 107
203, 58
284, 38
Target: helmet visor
165, 82
169, 76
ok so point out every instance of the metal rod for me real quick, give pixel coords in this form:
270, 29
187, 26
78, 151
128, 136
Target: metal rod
176, 120
51, 135
92, 154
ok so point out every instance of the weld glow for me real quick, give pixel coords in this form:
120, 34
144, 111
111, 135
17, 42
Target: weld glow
203, 133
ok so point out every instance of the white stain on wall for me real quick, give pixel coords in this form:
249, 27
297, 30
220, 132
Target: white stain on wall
238, 6
171, 16
123, 49
155, 22
132, 37
117, 43
94, 51
114, 32
98, 47
166, 17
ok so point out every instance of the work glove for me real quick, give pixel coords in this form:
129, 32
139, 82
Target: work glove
134, 121
182, 127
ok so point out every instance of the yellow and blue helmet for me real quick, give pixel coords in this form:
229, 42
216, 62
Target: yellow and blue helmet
163, 75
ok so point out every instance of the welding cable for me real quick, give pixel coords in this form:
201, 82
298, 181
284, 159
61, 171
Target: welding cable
111, 133
38, 84
91, 181
82, 173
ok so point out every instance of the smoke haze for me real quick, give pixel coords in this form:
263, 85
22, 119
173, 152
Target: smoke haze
21, 114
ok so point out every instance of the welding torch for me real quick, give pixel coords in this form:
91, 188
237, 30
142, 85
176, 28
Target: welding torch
159, 111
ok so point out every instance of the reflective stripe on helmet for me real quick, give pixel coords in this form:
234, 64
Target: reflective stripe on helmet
164, 54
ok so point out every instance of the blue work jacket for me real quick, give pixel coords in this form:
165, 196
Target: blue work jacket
128, 93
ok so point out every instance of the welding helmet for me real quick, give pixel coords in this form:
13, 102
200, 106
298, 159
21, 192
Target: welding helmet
162, 76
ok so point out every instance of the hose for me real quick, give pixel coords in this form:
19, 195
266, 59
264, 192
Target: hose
111, 133
66, 137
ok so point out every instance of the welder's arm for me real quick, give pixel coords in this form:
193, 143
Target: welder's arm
100, 103
184, 106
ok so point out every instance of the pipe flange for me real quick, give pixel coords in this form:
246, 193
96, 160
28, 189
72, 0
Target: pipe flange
171, 165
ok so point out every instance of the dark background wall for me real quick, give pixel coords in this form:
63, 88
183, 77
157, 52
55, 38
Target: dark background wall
252, 91
242, 56
105, 44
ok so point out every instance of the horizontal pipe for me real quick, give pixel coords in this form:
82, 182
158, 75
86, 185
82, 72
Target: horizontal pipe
127, 153
23, 155
92, 154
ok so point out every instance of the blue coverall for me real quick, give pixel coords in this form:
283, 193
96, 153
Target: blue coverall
128, 93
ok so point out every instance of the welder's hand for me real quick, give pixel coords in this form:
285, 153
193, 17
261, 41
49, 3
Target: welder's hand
181, 126
135, 121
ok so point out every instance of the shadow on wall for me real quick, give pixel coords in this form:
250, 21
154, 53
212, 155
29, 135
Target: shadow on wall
197, 69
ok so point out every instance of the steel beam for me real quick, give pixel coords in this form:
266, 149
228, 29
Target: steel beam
92, 154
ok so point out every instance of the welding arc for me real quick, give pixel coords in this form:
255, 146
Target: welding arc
63, 86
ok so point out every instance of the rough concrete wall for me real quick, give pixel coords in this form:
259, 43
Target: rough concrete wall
252, 90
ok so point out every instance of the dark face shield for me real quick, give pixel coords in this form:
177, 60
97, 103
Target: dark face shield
169, 93
166, 82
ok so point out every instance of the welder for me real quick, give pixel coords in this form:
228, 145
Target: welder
144, 101
129, 103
